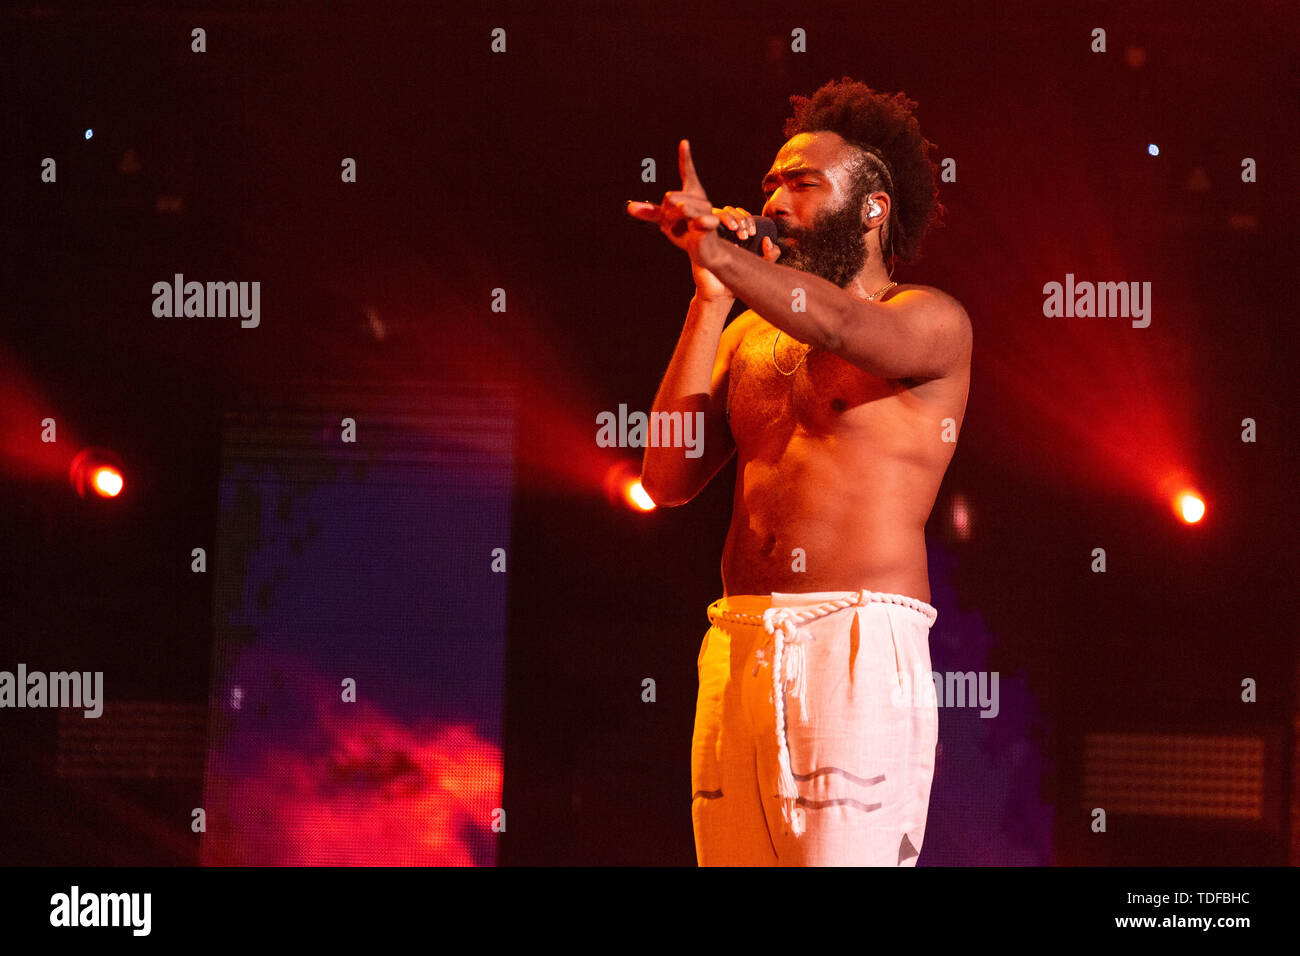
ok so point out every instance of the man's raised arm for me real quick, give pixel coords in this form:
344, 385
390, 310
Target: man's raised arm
696, 381
918, 333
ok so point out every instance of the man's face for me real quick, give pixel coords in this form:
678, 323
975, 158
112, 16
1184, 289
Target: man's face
816, 201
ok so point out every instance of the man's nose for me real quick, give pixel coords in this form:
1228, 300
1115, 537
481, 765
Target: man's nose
778, 215
775, 207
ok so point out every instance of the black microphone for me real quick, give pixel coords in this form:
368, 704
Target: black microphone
754, 244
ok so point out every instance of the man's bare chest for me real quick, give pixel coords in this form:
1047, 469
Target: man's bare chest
776, 383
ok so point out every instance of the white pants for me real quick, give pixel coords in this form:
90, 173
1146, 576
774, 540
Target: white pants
807, 751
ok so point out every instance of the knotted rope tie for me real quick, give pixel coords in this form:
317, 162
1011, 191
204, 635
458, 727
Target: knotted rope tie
780, 623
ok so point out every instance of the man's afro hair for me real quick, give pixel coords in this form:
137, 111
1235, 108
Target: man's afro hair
865, 117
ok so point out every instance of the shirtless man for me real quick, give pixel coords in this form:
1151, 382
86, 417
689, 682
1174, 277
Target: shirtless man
842, 392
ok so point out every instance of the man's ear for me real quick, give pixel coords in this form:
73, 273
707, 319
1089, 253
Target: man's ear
885, 209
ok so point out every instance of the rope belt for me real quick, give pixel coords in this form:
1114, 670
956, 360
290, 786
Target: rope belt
783, 624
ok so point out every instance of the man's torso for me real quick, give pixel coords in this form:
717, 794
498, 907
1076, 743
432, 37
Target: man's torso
835, 462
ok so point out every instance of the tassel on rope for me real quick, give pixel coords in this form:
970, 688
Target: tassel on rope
778, 623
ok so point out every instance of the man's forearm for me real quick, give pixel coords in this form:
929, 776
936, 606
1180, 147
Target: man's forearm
685, 388
769, 289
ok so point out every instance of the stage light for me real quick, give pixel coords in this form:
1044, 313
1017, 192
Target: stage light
1190, 507
623, 487
1153, 149
107, 481
960, 517
89, 133
638, 497
97, 471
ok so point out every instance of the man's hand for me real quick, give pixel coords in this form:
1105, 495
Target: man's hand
689, 220
686, 215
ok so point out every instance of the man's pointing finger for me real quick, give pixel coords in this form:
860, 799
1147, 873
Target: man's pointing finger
690, 181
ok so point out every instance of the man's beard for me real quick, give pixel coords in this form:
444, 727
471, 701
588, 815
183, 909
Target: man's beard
833, 248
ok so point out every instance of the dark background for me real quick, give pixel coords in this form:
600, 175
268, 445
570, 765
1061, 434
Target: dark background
479, 171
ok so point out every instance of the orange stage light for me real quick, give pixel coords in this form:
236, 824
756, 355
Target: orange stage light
623, 487
97, 471
107, 481
637, 497
1190, 507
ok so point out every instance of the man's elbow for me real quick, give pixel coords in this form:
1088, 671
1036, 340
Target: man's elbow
662, 497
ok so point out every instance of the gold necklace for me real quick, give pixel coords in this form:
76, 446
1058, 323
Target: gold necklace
810, 348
